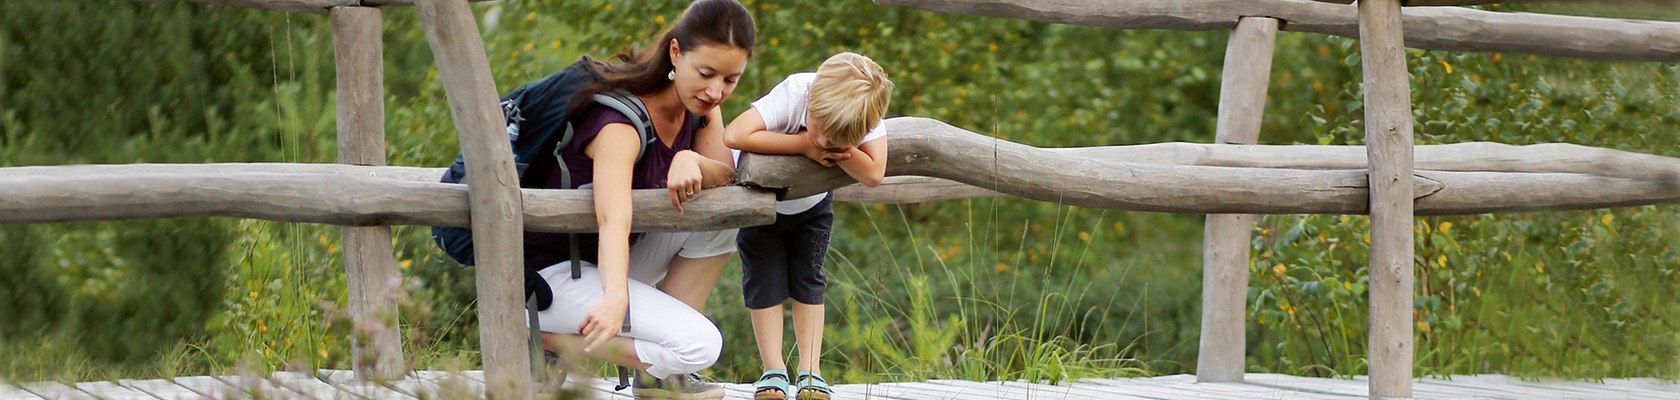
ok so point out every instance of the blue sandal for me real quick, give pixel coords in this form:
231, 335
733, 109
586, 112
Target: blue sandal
772, 385
812, 386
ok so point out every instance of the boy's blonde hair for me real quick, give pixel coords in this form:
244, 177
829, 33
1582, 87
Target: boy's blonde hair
849, 97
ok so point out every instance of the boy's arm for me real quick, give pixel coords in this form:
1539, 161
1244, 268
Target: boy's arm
748, 133
868, 162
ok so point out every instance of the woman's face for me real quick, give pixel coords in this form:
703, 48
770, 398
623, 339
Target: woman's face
707, 74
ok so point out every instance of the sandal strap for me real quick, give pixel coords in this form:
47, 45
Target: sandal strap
808, 380
772, 379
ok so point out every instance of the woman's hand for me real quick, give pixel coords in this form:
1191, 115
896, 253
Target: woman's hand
603, 321
684, 179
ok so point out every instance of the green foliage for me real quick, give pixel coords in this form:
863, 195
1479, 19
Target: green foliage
1558, 293
973, 289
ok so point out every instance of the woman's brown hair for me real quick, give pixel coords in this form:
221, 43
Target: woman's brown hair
706, 22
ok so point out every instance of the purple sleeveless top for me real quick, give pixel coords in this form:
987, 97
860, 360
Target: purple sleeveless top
543, 249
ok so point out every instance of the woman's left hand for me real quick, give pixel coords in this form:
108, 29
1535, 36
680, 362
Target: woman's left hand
684, 179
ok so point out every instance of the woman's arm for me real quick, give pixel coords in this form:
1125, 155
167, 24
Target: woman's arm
708, 142
868, 162
614, 150
709, 165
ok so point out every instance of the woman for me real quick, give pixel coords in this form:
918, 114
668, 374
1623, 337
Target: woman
681, 78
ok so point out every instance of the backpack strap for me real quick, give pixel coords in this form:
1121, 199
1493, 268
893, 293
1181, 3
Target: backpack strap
631, 106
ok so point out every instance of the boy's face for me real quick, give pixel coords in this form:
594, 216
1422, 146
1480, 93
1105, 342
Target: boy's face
819, 139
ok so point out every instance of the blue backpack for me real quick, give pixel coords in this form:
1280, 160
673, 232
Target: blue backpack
538, 126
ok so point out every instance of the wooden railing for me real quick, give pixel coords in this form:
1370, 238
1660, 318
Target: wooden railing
931, 161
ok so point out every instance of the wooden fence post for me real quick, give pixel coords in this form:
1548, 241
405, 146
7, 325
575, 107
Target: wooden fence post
372, 272
1388, 136
493, 186
1225, 238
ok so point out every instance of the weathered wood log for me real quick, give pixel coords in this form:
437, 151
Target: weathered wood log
927, 147
1388, 135
1435, 28
369, 262
1431, 3
348, 195
1470, 156
1225, 237
497, 220
302, 6
344, 200
382, 3
1473, 156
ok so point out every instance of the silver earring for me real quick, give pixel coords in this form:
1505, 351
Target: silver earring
671, 75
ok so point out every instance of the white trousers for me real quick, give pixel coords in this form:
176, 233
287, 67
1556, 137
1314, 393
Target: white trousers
671, 337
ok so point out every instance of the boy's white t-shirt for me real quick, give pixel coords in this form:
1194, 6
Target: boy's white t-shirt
783, 111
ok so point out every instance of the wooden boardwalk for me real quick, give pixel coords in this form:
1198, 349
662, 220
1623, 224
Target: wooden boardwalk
335, 384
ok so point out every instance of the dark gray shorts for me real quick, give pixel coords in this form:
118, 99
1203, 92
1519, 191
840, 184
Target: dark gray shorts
785, 259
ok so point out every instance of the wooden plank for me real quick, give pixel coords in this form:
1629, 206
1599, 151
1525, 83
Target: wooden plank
915, 391
371, 269
452, 385
1645, 387
1068, 388
1437, 28
1021, 390
415, 387
1420, 387
1225, 241
311, 386
159, 388
1512, 387
346, 381
14, 392
253, 386
112, 391
56, 391
1244, 390
1140, 387
207, 386
851, 391
1251, 391
870, 391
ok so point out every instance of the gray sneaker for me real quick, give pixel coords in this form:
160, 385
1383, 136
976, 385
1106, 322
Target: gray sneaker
675, 387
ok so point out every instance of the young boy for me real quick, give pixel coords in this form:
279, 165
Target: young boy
832, 116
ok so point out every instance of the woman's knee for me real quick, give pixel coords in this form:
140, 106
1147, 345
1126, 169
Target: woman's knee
700, 348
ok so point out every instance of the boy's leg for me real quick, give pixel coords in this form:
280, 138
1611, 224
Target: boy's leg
767, 330
764, 284
807, 282
807, 334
